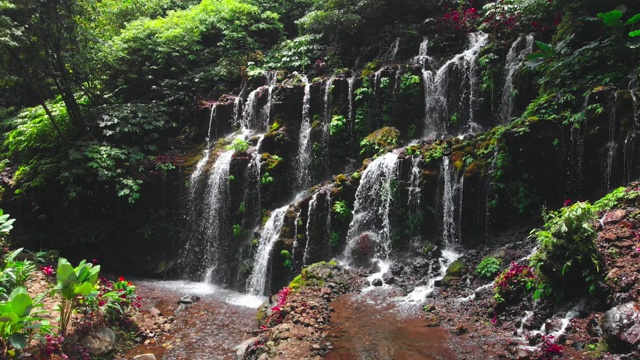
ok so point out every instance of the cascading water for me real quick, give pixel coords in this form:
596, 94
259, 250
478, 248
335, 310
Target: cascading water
272, 79
328, 112
374, 199
437, 114
392, 52
270, 234
413, 201
451, 204
304, 145
350, 82
310, 215
513, 62
612, 145
214, 213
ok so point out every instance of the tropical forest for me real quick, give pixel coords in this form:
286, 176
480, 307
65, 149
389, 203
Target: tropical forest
307, 179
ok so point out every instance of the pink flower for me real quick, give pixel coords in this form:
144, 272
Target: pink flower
95, 261
494, 319
566, 202
47, 270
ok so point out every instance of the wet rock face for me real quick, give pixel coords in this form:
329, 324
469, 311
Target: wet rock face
621, 325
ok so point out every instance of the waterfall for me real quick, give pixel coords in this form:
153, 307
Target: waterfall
296, 227
415, 189
392, 52
328, 111
350, 82
318, 224
304, 146
451, 204
423, 58
249, 112
374, 198
270, 234
513, 62
214, 215
312, 210
437, 114
612, 145
272, 79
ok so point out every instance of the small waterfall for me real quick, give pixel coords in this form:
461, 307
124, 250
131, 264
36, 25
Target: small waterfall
328, 112
310, 216
451, 204
272, 79
350, 82
437, 114
629, 154
576, 160
374, 198
392, 52
249, 118
513, 62
296, 225
423, 58
304, 146
612, 145
415, 189
199, 169
214, 215
318, 226
270, 234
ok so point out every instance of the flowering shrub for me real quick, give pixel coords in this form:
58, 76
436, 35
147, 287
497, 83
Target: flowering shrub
549, 348
513, 281
461, 19
503, 16
115, 299
277, 314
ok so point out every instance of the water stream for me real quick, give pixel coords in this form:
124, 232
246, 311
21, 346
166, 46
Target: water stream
270, 234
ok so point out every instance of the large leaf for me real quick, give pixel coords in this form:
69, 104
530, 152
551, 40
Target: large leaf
611, 18
84, 289
65, 272
634, 33
8, 317
18, 340
634, 19
546, 48
21, 301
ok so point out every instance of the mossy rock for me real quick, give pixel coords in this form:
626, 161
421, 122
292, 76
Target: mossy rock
454, 272
380, 141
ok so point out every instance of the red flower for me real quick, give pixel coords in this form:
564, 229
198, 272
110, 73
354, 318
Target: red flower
121, 278
47, 270
567, 202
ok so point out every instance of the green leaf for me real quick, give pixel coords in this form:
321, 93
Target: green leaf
18, 340
21, 302
634, 33
611, 18
65, 272
634, 19
546, 48
83, 289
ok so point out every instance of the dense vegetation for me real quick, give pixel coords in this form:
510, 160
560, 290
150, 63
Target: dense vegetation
99, 97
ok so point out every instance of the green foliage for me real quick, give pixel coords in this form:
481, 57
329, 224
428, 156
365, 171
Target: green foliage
287, 259
239, 145
380, 141
14, 273
434, 152
342, 211
116, 300
295, 54
337, 125
73, 283
6, 224
266, 179
410, 85
488, 267
237, 230
16, 321
617, 198
567, 254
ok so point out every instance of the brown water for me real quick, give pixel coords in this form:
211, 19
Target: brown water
207, 329
363, 329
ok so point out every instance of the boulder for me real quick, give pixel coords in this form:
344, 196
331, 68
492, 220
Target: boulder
99, 342
621, 326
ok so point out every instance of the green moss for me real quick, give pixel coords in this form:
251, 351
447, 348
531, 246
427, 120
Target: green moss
380, 141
